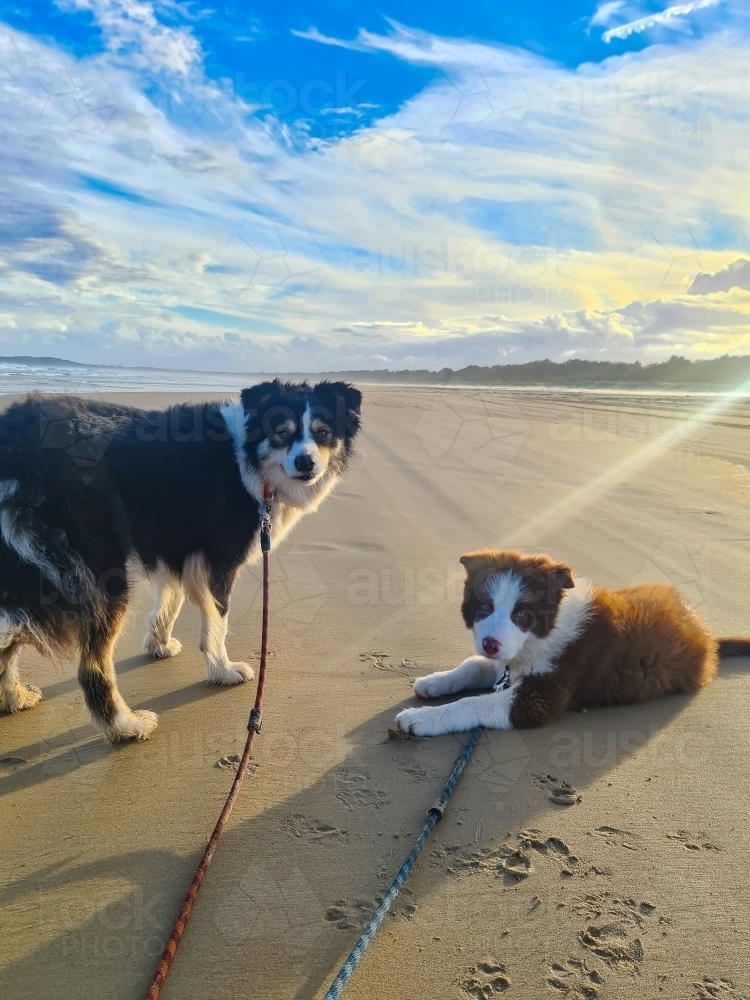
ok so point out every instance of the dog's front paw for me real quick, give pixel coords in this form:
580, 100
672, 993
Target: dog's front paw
432, 686
230, 674
126, 725
162, 650
19, 697
421, 722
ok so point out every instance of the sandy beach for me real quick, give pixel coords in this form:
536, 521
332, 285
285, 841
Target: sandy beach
639, 889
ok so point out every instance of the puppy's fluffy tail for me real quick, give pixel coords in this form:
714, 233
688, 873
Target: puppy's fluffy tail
734, 645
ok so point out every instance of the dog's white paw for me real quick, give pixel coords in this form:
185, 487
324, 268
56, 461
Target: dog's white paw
433, 686
161, 650
19, 697
420, 722
230, 674
137, 725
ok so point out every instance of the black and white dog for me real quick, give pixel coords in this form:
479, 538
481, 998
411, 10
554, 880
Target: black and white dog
87, 487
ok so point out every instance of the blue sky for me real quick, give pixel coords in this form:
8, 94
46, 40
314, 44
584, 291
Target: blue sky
266, 187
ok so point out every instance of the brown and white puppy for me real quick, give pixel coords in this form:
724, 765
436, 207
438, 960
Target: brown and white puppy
546, 644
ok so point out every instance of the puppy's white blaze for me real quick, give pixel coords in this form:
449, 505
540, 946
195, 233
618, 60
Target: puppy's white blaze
504, 590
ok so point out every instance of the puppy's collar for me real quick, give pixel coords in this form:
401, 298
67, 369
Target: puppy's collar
504, 683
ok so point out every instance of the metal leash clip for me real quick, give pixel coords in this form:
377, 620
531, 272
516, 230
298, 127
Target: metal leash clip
504, 683
265, 524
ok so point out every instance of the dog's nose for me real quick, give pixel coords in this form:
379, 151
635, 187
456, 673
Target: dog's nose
491, 646
304, 462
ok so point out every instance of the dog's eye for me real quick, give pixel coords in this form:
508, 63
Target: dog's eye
521, 616
322, 434
484, 606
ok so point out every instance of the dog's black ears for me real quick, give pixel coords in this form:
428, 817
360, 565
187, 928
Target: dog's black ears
258, 396
351, 397
340, 404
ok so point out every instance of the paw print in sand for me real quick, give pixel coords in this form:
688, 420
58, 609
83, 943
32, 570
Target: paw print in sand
486, 979
717, 989
574, 978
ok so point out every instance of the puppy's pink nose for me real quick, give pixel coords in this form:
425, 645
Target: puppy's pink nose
490, 646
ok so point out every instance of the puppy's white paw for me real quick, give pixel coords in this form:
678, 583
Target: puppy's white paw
230, 674
19, 697
420, 722
137, 725
433, 686
161, 650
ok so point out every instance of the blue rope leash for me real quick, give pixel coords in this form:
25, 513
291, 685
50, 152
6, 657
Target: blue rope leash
435, 813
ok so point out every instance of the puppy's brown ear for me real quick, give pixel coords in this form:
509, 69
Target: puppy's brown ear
476, 561
562, 575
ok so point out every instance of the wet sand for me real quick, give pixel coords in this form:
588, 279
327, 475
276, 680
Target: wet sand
639, 889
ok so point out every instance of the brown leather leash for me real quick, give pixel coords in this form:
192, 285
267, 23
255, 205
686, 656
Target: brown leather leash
253, 726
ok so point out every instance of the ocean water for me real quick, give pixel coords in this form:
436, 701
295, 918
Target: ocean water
16, 378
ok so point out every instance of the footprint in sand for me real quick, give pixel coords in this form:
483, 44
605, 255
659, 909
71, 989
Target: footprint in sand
353, 789
348, 914
415, 770
560, 792
617, 838
614, 928
382, 661
506, 862
553, 848
486, 979
514, 863
717, 989
693, 841
231, 762
313, 831
574, 978
558, 852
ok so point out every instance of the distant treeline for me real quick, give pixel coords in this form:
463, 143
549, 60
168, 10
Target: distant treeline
724, 371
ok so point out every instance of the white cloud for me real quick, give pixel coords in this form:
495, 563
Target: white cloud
735, 275
133, 32
663, 18
513, 209
316, 36
605, 12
